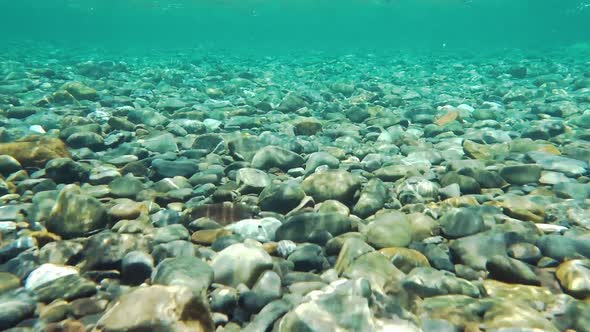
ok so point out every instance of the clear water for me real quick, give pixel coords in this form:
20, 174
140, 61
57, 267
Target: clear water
283, 25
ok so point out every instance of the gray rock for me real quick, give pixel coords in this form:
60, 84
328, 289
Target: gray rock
240, 263
301, 227
511, 270
372, 198
76, 214
428, 282
208, 142
176, 248
187, 271
126, 186
460, 222
251, 180
9, 165
308, 257
291, 102
338, 185
170, 104
390, 229
262, 230
276, 157
178, 167
562, 247
86, 139
65, 170
136, 267
573, 190
68, 287
17, 305
550, 162
521, 174
171, 233
162, 143
281, 197
318, 159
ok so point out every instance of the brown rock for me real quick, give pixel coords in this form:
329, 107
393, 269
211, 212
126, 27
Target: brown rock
208, 236
158, 308
35, 151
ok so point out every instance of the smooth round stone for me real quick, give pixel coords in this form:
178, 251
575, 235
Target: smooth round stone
240, 263
136, 267
101, 175
75, 213
161, 143
552, 178
47, 273
511, 270
127, 209
332, 206
123, 160
307, 127
55, 311
126, 186
251, 180
372, 198
8, 281
187, 271
301, 227
521, 174
86, 139
390, 229
550, 162
461, 222
405, 259
208, 142
428, 282
68, 287
308, 257
276, 157
574, 277
262, 230
88, 306
9, 165
467, 184
60, 252
281, 197
318, 159
224, 299
16, 305
339, 185
171, 233
268, 287
65, 170
525, 252
172, 168
172, 249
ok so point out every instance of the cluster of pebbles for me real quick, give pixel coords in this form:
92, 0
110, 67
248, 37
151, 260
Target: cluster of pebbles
398, 192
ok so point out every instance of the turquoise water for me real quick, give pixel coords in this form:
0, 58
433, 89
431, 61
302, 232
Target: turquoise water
277, 25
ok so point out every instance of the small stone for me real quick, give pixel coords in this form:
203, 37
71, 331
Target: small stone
136, 267
47, 273
240, 263
574, 277
339, 185
274, 156
262, 230
76, 214
521, 174
80, 91
390, 229
187, 271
